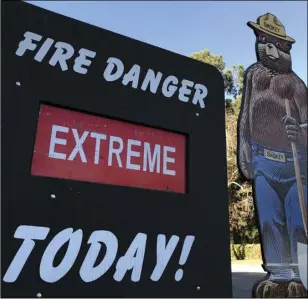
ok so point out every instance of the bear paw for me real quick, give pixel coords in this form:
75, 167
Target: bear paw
296, 290
271, 289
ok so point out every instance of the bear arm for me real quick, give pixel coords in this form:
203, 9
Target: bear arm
243, 119
300, 98
244, 149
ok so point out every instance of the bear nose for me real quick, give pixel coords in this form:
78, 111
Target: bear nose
270, 46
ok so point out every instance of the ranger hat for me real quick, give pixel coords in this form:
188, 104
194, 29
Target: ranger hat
269, 24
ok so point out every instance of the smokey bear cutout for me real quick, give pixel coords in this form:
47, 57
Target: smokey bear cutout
272, 151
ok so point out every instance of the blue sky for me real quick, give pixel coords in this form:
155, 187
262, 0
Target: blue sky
189, 26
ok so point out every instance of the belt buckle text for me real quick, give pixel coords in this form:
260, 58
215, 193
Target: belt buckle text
275, 156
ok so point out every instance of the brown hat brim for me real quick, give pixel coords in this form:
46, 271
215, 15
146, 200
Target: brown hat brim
257, 27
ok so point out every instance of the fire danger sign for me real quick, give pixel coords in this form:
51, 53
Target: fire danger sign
78, 146
113, 165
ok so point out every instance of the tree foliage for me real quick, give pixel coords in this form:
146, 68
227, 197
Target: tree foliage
233, 77
241, 209
207, 57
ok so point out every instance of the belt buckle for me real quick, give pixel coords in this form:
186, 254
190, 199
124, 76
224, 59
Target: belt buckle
274, 156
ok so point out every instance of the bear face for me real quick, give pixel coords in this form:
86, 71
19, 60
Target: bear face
273, 52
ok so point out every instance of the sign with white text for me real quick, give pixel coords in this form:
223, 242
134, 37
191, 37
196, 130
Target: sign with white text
114, 165
74, 145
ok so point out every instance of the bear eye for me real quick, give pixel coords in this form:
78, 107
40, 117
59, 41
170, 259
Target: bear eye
263, 38
278, 44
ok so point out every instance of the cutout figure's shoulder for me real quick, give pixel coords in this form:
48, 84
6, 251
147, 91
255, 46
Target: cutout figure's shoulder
252, 69
298, 81
257, 69
288, 85
300, 88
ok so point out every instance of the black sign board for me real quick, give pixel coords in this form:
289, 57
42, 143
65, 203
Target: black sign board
113, 165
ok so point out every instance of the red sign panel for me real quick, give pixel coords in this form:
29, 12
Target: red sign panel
79, 146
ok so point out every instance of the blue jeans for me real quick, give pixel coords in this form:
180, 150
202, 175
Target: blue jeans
278, 206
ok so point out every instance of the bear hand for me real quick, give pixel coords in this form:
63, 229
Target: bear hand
293, 129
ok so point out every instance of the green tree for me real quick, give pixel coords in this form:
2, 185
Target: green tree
206, 57
238, 74
241, 210
233, 77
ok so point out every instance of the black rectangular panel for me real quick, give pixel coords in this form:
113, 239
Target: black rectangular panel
45, 208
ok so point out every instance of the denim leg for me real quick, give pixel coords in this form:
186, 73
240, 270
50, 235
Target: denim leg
272, 223
294, 219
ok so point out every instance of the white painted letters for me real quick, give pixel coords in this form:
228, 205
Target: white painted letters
48, 272
113, 62
114, 70
78, 147
115, 151
168, 160
184, 91
133, 259
168, 89
27, 44
131, 153
188, 242
54, 140
200, 94
82, 61
163, 254
64, 52
28, 233
132, 76
148, 160
40, 55
152, 80
90, 273
98, 138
